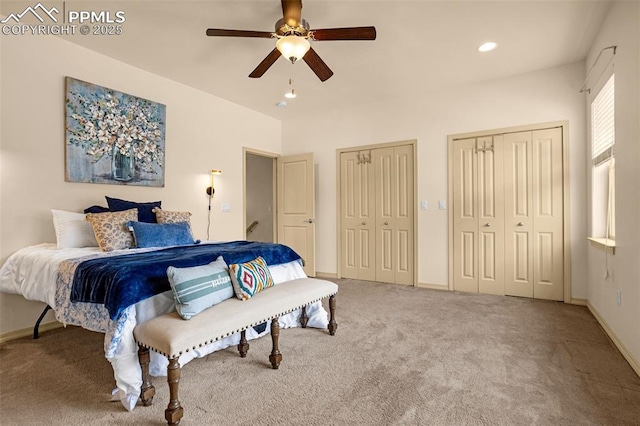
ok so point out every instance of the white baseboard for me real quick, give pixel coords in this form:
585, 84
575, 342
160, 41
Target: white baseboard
580, 302
616, 341
326, 275
441, 287
16, 334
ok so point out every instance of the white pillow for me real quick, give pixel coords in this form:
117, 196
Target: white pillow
72, 230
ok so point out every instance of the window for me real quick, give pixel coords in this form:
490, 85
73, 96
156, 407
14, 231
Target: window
603, 164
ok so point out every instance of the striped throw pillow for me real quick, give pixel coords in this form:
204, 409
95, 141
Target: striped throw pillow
250, 278
200, 287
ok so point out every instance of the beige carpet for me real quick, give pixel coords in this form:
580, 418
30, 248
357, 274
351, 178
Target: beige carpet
401, 356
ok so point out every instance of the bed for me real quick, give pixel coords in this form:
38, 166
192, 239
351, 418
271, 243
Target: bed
45, 273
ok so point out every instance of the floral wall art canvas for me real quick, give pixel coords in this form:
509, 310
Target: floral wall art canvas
113, 137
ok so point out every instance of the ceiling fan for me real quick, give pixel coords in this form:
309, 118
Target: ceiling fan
293, 34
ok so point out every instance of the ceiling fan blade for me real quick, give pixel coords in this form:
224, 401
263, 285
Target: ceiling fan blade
292, 12
265, 64
355, 33
317, 65
215, 32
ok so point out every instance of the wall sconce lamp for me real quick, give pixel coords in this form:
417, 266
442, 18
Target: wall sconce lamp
211, 190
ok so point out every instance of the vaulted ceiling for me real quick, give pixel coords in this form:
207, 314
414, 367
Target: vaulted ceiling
421, 46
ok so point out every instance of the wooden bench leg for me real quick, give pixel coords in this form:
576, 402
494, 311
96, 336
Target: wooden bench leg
147, 391
304, 319
243, 346
275, 356
333, 325
174, 411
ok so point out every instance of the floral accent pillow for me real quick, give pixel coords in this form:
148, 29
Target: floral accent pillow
164, 216
250, 278
111, 230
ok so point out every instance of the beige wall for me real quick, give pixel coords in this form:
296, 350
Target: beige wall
538, 97
622, 28
199, 128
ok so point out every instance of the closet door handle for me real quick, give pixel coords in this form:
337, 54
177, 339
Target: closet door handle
364, 223
520, 224
386, 223
487, 224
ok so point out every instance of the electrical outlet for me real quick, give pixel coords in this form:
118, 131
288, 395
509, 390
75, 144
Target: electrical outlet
618, 298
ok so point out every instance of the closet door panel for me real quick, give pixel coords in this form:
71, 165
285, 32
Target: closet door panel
348, 216
491, 215
518, 198
357, 216
403, 211
383, 159
548, 267
465, 216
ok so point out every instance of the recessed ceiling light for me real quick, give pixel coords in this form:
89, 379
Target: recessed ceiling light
281, 104
290, 95
487, 47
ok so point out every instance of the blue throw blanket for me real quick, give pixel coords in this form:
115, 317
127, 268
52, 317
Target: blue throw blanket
121, 281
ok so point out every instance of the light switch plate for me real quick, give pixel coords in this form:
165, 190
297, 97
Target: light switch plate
423, 204
226, 207
442, 204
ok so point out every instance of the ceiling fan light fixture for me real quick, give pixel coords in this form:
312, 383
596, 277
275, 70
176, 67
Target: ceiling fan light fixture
290, 95
293, 47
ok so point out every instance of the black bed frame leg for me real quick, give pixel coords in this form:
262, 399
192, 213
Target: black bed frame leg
35, 329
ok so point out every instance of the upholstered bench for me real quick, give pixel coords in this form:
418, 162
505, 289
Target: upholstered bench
171, 336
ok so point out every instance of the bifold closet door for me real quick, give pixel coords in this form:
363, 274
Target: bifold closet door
393, 175
357, 206
534, 260
478, 213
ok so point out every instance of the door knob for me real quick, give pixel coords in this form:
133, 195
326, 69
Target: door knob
364, 223
309, 221
520, 224
487, 224
386, 223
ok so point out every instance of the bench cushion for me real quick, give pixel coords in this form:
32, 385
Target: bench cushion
171, 336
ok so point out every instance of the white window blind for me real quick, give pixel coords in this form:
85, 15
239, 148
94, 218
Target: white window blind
603, 123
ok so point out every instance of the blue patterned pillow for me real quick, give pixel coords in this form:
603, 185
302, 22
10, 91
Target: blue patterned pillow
161, 234
145, 213
200, 287
250, 278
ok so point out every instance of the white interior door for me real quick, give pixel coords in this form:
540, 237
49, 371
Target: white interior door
296, 207
357, 205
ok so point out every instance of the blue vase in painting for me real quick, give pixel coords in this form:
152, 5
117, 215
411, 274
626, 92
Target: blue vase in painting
122, 163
